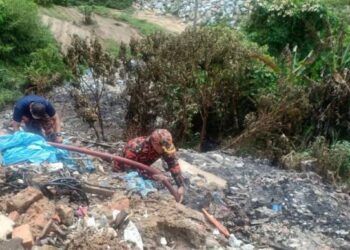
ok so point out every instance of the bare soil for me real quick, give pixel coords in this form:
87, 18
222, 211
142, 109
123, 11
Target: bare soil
64, 22
69, 22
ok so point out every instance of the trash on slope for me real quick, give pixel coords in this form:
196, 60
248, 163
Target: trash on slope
137, 183
22, 146
132, 234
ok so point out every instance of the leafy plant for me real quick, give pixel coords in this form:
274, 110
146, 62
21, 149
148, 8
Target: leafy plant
92, 69
143, 26
20, 29
282, 23
202, 74
45, 69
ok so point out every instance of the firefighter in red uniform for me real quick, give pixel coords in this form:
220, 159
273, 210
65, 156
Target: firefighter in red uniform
148, 149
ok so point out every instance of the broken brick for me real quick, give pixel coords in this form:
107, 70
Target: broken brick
14, 215
66, 214
23, 232
22, 201
39, 221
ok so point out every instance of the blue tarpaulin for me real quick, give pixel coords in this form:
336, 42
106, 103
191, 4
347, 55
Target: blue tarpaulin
27, 147
136, 183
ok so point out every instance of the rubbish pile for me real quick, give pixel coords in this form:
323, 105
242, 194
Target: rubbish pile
267, 207
54, 199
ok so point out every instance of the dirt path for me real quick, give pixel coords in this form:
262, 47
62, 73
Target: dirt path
65, 22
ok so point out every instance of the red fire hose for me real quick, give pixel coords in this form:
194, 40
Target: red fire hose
110, 157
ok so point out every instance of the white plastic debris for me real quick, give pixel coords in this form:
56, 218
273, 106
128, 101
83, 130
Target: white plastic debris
234, 242
239, 164
131, 233
53, 167
163, 241
6, 226
115, 214
216, 232
90, 222
248, 247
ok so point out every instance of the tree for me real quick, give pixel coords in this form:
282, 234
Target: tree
200, 72
291, 23
92, 69
20, 29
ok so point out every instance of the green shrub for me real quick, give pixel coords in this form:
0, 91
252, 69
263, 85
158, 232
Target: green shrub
28, 52
333, 161
288, 22
44, 2
11, 82
199, 81
143, 26
115, 4
20, 29
45, 69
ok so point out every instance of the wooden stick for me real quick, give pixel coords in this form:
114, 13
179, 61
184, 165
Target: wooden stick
216, 223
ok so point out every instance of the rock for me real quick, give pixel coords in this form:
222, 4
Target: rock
66, 214
6, 226
13, 244
23, 232
22, 201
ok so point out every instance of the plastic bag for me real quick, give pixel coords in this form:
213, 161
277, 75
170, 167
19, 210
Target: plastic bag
28, 147
132, 234
137, 183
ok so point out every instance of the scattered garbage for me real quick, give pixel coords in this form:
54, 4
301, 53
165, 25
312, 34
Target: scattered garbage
131, 233
163, 241
277, 207
234, 242
82, 211
27, 147
136, 183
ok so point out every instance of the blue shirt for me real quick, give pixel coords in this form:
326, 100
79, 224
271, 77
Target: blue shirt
22, 107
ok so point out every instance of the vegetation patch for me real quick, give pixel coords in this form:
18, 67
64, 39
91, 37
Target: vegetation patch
143, 26
56, 12
29, 54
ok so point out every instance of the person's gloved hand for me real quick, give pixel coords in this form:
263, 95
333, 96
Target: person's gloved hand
181, 192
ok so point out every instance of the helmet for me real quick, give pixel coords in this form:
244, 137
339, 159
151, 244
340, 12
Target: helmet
163, 138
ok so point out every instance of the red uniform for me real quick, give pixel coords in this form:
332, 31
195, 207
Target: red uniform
141, 150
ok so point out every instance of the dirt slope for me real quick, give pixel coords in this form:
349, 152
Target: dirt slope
64, 22
68, 21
